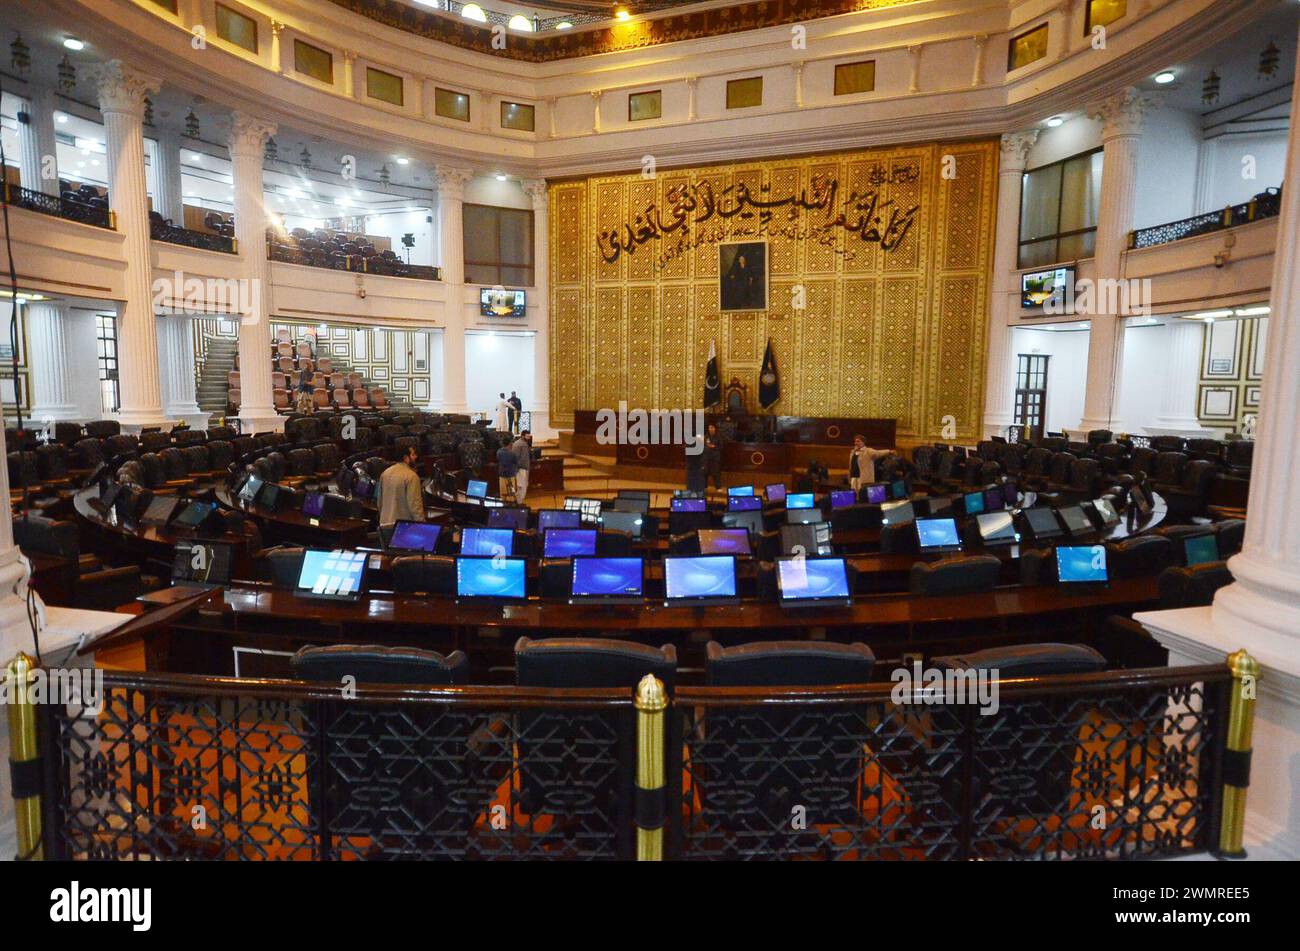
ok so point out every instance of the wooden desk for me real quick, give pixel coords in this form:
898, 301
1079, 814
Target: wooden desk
293, 527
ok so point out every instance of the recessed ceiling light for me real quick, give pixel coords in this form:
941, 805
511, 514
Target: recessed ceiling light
403, 160
1053, 122
72, 43
1165, 77
60, 118
501, 178
196, 156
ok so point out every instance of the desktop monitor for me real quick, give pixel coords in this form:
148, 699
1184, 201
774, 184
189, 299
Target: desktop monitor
745, 490
940, 505
775, 492
724, 541
1200, 549
195, 514
751, 522
554, 518
1011, 492
898, 489
634, 494
973, 502
1141, 501
129, 500
799, 500
271, 494
632, 504
588, 509
567, 542
1105, 511
1081, 563
997, 528
609, 580
414, 537
803, 516
994, 499
160, 510
486, 541
504, 578
202, 563
476, 489
1076, 522
699, 580
1042, 522
877, 493
313, 504
744, 503
843, 498
689, 505
513, 518
813, 539
813, 582
687, 494
249, 490
337, 575
896, 513
937, 534
620, 521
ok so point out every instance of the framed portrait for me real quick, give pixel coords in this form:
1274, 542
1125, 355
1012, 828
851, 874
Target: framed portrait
742, 276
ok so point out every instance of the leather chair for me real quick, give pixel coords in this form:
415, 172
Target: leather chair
1036, 468
1037, 566
301, 463
284, 566
1192, 494
242, 446
1169, 444
226, 433
1085, 478
899, 539
1210, 450
378, 399
198, 459
1168, 472
1192, 586
1231, 533
1239, 456
360, 398
424, 574
279, 465
174, 464
1098, 437
87, 453
1142, 459
1058, 476
788, 663
326, 458
280, 398
185, 438
155, 442
155, 470
67, 434
1012, 458
960, 574
123, 444
1140, 556
373, 664
52, 463
103, 428
555, 578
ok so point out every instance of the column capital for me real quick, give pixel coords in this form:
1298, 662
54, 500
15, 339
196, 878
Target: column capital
122, 88
276, 27
980, 39
692, 80
452, 182
535, 188
248, 134
1015, 149
349, 56
1123, 113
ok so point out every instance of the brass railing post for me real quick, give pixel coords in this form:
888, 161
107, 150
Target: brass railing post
1236, 756
650, 806
24, 759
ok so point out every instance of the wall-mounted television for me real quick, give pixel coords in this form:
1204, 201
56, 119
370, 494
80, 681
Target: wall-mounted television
497, 302
1047, 290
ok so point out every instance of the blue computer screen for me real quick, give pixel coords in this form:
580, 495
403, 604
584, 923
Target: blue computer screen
606, 577
724, 541
740, 490
841, 498
476, 489
486, 541
415, 536
313, 504
1081, 563
876, 494
689, 505
799, 500
974, 503
806, 578
1200, 549
994, 500
567, 542
706, 576
898, 488
332, 573
937, 533
775, 492
508, 518
744, 503
554, 518
491, 577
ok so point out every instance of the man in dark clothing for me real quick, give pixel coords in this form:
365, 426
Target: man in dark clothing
507, 467
713, 456
516, 411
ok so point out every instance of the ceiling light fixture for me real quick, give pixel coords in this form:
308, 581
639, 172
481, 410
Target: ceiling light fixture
621, 12
1166, 77
1055, 121
74, 44
501, 178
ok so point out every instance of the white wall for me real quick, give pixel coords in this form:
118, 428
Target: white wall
1167, 161
496, 363
1146, 375
393, 225
1067, 371
486, 190
1075, 135
1225, 182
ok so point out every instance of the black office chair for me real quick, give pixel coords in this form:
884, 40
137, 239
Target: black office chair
424, 574
613, 544
688, 544
683, 523
1193, 586
1037, 566
899, 539
1140, 556
284, 566
373, 664
1231, 533
555, 578
960, 574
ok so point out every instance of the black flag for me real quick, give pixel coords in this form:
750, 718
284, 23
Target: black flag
769, 383
712, 383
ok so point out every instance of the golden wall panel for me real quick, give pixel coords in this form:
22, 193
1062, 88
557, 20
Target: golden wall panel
889, 251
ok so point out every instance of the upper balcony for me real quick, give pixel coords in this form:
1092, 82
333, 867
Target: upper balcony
70, 205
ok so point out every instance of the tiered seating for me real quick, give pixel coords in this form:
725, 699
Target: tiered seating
340, 250
330, 390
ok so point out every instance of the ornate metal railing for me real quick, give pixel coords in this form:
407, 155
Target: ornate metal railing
352, 262
203, 240
1115, 765
60, 207
1267, 204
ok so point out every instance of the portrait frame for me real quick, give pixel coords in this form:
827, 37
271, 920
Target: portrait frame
737, 294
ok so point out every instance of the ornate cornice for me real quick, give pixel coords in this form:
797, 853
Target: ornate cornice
1123, 113
452, 182
1015, 149
121, 88
248, 134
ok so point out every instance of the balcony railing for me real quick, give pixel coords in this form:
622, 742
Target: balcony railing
1267, 204
352, 262
59, 207
203, 240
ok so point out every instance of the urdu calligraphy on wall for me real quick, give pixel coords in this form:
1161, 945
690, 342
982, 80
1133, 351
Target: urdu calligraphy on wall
693, 215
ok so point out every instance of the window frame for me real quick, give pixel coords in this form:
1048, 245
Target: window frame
531, 111
645, 92
106, 362
1087, 17
401, 86
469, 105
1056, 236
1011, 46
255, 49
301, 43
835, 78
499, 265
745, 79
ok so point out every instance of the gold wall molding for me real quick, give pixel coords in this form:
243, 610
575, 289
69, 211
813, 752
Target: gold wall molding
893, 269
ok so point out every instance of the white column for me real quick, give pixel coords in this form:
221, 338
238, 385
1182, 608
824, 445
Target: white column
1183, 368
176, 356
277, 65
170, 201
914, 82
247, 143
52, 385
36, 139
999, 379
451, 228
1121, 116
690, 98
1260, 611
121, 101
550, 116
349, 79
981, 48
595, 111
798, 84
541, 310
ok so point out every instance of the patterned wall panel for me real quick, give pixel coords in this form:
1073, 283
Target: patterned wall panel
1232, 365
397, 360
888, 251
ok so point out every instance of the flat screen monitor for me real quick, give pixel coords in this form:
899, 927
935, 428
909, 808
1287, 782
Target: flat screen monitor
896, 513
744, 503
486, 541
751, 522
803, 516
633, 504
997, 528
160, 510
500, 302
588, 509
202, 563
108, 496
843, 498
813, 539
1081, 563
1042, 522
554, 518
877, 493
194, 514
799, 500
127, 502
809, 582
994, 500
608, 579
1076, 522
248, 492
940, 505
270, 495
724, 541
363, 488
337, 575
974, 502
898, 489
689, 505
1011, 492
1038, 289
937, 534
418, 537
775, 492
476, 489
313, 504
567, 542
504, 578
513, 518
702, 579
1105, 511
619, 521
634, 494
1141, 501
1200, 549
740, 490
